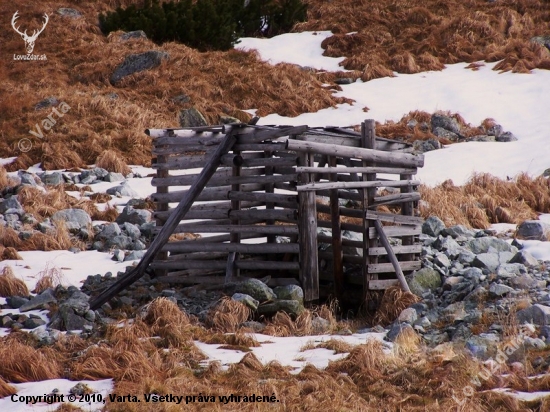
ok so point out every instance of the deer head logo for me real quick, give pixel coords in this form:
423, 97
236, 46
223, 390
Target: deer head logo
29, 40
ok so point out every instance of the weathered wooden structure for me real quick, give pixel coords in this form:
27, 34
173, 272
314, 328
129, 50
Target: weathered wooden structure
300, 204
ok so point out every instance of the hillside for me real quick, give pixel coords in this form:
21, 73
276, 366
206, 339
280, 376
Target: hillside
404, 37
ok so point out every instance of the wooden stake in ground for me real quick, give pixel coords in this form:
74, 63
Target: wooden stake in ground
171, 223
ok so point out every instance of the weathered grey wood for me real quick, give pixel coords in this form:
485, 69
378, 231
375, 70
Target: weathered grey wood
259, 135
285, 215
395, 199
368, 140
307, 224
189, 161
260, 147
355, 185
161, 206
221, 178
388, 267
260, 229
169, 225
219, 193
231, 270
183, 150
346, 169
338, 255
274, 161
375, 156
219, 210
393, 218
186, 247
196, 256
192, 139
382, 284
391, 255
177, 195
398, 250
291, 201
220, 265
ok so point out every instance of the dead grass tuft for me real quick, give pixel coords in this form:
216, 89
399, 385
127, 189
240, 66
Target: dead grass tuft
110, 160
394, 301
10, 285
486, 199
23, 363
9, 253
228, 315
48, 278
6, 389
336, 345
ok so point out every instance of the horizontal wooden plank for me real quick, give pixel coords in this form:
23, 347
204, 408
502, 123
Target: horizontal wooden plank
270, 161
189, 161
394, 218
264, 133
395, 199
285, 230
231, 247
382, 284
177, 195
356, 185
285, 215
396, 231
345, 169
398, 250
388, 267
261, 147
219, 178
288, 201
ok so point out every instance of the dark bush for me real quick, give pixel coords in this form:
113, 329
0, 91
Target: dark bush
206, 24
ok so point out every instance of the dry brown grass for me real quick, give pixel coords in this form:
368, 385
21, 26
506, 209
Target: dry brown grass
48, 278
419, 35
9, 253
10, 285
112, 161
6, 389
393, 302
228, 315
22, 363
486, 199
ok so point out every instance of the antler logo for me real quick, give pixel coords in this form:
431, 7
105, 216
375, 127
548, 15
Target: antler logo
29, 40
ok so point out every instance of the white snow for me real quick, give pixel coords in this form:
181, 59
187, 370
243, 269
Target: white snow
288, 350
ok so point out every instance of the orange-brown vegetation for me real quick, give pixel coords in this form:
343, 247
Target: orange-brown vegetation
414, 36
9, 253
49, 277
10, 285
393, 302
103, 117
111, 161
486, 199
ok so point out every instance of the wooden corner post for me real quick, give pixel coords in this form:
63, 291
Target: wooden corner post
307, 226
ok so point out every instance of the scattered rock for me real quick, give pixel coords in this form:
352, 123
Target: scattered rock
66, 12
133, 35
289, 292
75, 219
41, 301
135, 63
533, 230
246, 300
135, 216
123, 190
192, 118
257, 289
536, 314
445, 122
432, 226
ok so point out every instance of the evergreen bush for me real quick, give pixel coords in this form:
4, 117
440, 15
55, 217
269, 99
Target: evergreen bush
206, 24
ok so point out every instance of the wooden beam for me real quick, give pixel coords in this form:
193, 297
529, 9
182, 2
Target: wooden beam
375, 156
356, 185
346, 169
186, 247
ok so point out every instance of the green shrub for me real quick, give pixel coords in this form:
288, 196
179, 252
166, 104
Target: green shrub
206, 24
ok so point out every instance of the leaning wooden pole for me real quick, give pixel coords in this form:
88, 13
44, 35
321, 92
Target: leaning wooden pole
393, 259
171, 223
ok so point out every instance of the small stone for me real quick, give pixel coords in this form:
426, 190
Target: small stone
289, 292
192, 118
396, 329
114, 177
135, 63
32, 323
123, 190
257, 289
41, 301
533, 230
246, 300
135, 255
135, 216
445, 122
133, 35
118, 255
498, 290
320, 325
536, 314
525, 258
256, 327
489, 261
66, 12
344, 80
15, 302
408, 315
506, 137
75, 219
433, 226
53, 179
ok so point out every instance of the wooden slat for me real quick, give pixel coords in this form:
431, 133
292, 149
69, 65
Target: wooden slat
282, 230
221, 177
232, 247
344, 169
388, 267
382, 284
285, 215
338, 266
260, 147
395, 199
393, 218
159, 134
356, 185
396, 231
289, 201
260, 135
398, 250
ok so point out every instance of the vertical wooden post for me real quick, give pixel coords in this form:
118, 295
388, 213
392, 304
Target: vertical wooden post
161, 207
407, 209
269, 188
307, 224
338, 255
231, 270
368, 142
